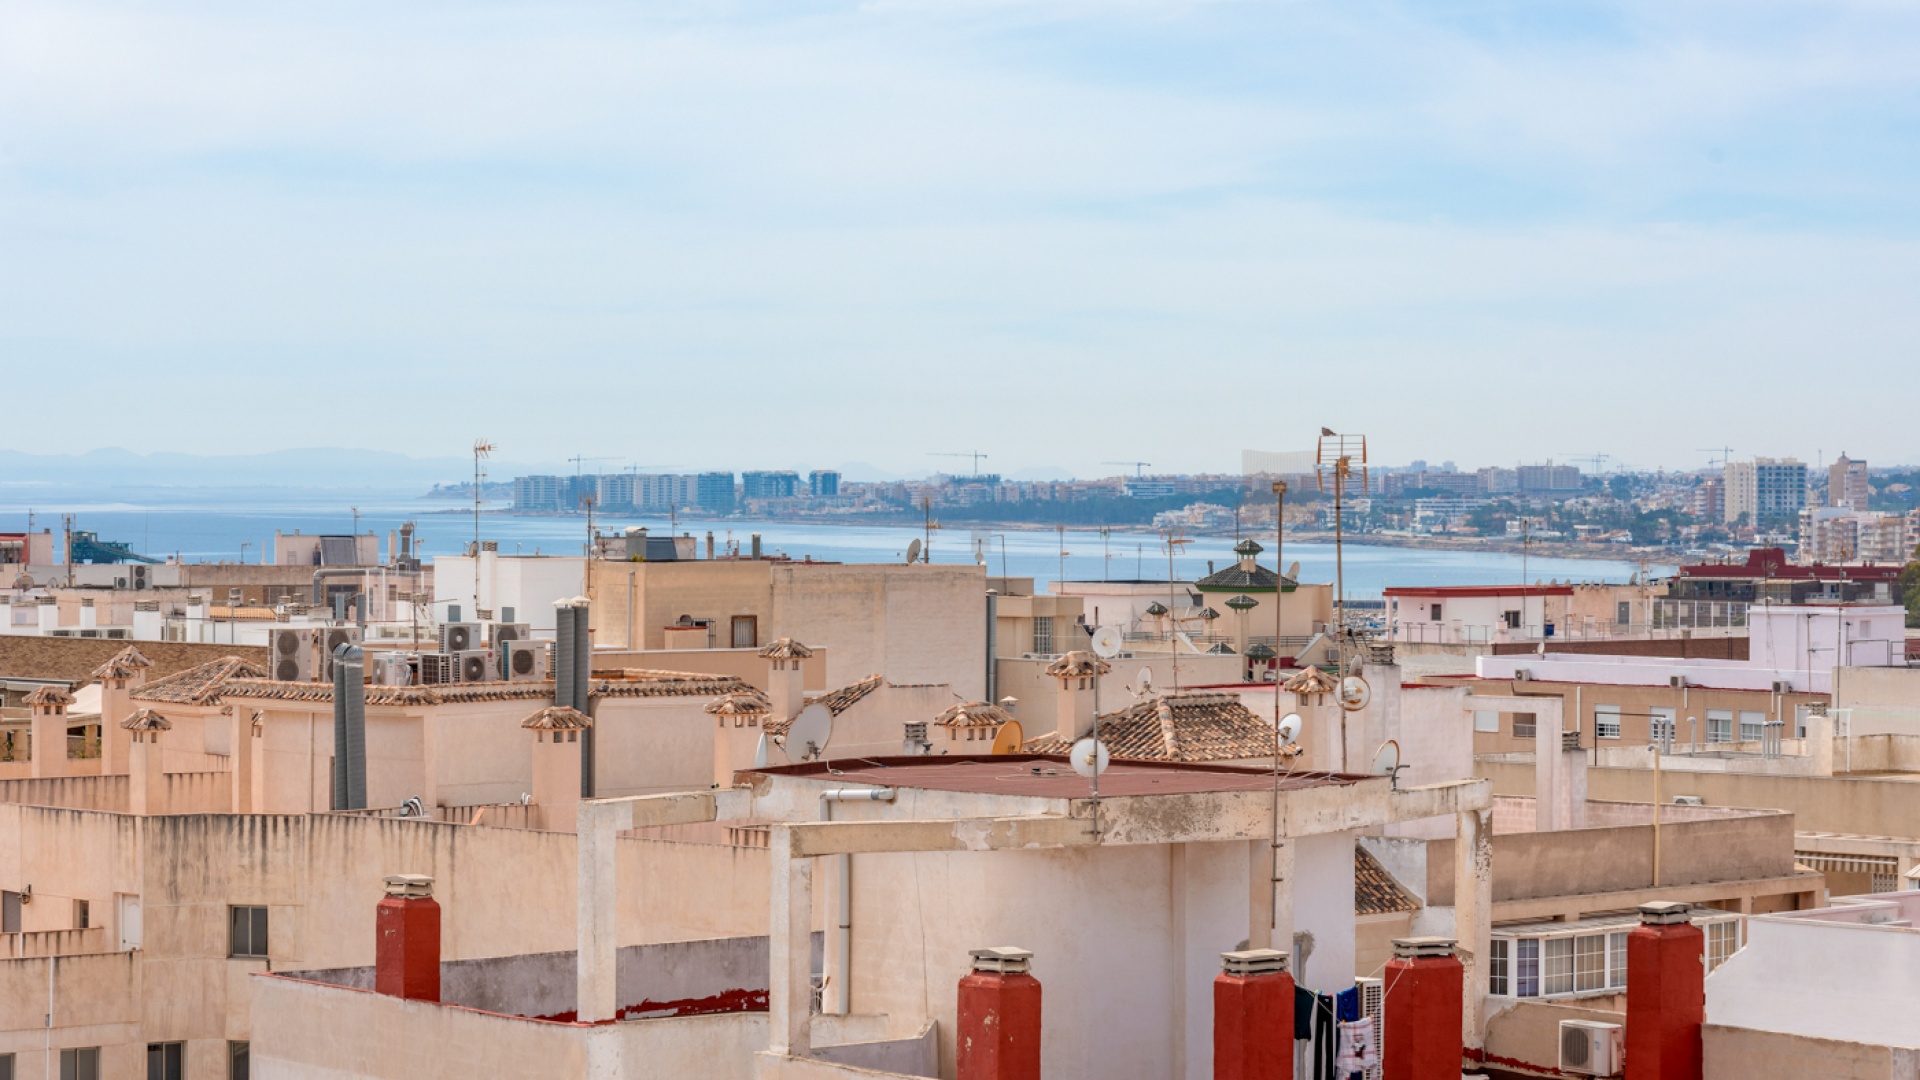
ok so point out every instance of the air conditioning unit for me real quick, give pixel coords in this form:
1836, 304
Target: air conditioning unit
1373, 1003
1689, 800
523, 661
390, 669
459, 637
1590, 1048
500, 633
474, 665
141, 579
1782, 686
293, 653
437, 669
1522, 674
1677, 682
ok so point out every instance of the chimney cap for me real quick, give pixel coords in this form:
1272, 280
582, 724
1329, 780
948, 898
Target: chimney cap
409, 886
1002, 960
1254, 962
1665, 913
1423, 948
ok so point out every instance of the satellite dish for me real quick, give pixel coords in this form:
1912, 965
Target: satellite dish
808, 735
1386, 762
1146, 679
760, 752
1107, 641
1089, 758
1290, 729
913, 552
1008, 739
1293, 570
1354, 693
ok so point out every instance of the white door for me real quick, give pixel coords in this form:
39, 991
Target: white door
128, 919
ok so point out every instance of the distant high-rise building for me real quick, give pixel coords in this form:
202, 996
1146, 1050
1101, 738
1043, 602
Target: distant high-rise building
823, 483
539, 493
1549, 477
1847, 483
1767, 491
1710, 499
769, 485
714, 491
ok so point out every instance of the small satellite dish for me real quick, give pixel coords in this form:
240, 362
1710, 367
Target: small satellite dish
1293, 570
1386, 762
1089, 758
1290, 729
1008, 739
913, 552
1146, 679
807, 737
760, 752
1354, 693
1107, 641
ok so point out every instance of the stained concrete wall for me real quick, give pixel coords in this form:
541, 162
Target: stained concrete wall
1732, 1053
94, 1002
1526, 1034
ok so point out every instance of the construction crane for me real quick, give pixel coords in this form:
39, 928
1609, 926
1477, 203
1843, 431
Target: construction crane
1139, 467
976, 455
1725, 452
577, 459
1594, 460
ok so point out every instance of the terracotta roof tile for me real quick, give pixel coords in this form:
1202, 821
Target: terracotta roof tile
74, 660
1193, 726
146, 720
1375, 892
201, 685
49, 695
972, 714
122, 664
558, 718
747, 702
1077, 663
836, 701
1311, 680
785, 649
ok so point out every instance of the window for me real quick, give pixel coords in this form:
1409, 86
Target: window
1436, 614
1723, 940
81, 1063
6, 1067
238, 1065
82, 915
1556, 974
1719, 725
1497, 950
9, 912
1606, 721
1511, 618
1660, 724
1617, 960
1486, 721
1043, 635
1623, 613
1527, 964
166, 1061
248, 931
1523, 725
746, 632
1752, 724
1590, 962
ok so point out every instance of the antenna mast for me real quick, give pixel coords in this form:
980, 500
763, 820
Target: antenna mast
481, 449
1339, 459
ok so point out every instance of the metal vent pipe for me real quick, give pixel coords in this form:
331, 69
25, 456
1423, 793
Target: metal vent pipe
349, 728
563, 653
582, 683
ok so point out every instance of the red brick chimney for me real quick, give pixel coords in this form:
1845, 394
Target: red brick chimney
1666, 994
1253, 1016
999, 1030
406, 958
1424, 984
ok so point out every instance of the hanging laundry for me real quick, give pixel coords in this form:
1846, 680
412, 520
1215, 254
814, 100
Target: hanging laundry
1358, 1053
1347, 1004
1324, 1038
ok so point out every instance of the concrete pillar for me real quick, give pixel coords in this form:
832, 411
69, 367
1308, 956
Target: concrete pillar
1573, 770
406, 957
48, 706
1324, 910
241, 742
1422, 1015
786, 681
1549, 783
1253, 1017
790, 970
1473, 915
1820, 743
49, 615
116, 700
596, 928
1666, 994
146, 771
997, 1036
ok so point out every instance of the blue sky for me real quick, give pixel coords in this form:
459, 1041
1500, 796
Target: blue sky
746, 234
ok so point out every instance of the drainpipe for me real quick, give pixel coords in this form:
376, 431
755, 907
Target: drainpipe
843, 948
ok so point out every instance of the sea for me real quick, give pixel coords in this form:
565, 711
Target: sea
235, 524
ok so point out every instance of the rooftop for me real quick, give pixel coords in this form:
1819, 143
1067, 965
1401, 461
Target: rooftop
1049, 776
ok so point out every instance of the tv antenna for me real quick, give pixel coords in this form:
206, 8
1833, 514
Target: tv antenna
1338, 461
482, 449
809, 734
1174, 543
976, 455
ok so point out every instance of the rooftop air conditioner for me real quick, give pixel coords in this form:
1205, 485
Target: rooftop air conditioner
459, 637
474, 665
391, 669
523, 661
437, 668
1677, 682
292, 653
1782, 686
1590, 1048
500, 633
1522, 674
